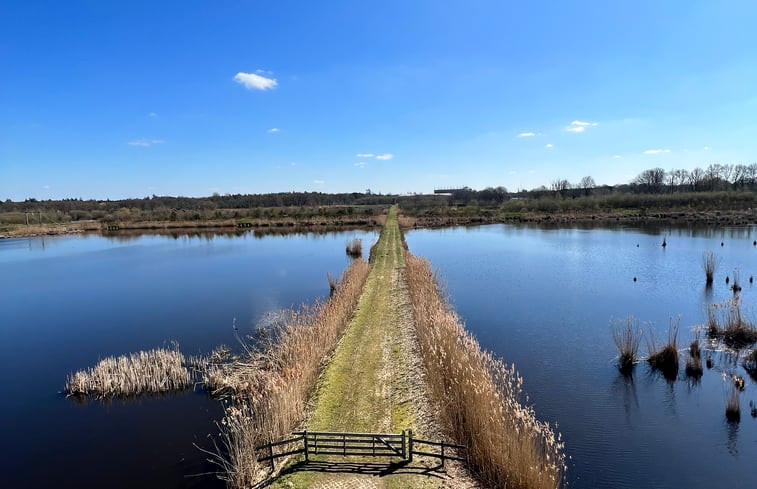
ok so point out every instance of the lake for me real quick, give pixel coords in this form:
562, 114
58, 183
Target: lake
68, 301
546, 298
543, 298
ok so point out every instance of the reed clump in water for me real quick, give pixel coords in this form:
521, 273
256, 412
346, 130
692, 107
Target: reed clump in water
665, 358
355, 248
269, 386
694, 361
709, 264
627, 339
480, 399
736, 287
733, 406
726, 321
152, 371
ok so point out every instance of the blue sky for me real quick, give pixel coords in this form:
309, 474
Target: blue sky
128, 99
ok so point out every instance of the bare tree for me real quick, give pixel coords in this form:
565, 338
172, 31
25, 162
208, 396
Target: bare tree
587, 183
560, 185
652, 180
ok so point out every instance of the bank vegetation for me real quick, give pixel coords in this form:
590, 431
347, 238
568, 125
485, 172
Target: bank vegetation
480, 398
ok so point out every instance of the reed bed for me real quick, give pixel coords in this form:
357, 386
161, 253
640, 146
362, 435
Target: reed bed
152, 371
480, 399
710, 263
268, 387
627, 339
726, 321
355, 248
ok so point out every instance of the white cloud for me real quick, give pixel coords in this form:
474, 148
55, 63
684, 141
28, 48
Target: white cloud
579, 126
253, 81
526, 135
548, 146
706, 148
273, 130
364, 155
385, 156
616, 157
46, 187
152, 114
319, 182
144, 143
361, 164
656, 151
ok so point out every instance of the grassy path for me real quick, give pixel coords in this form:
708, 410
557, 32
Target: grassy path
374, 382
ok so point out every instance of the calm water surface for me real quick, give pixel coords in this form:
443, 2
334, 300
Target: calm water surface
545, 299
66, 302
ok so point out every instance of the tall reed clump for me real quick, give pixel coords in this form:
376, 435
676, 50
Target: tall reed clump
268, 388
480, 399
355, 248
726, 321
158, 370
627, 339
709, 264
665, 357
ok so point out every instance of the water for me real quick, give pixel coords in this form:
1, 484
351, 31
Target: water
66, 302
545, 299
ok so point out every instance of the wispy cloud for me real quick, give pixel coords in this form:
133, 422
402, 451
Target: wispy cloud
255, 81
385, 156
273, 130
152, 115
616, 157
364, 155
144, 143
549, 145
526, 135
319, 182
656, 151
361, 164
706, 148
579, 126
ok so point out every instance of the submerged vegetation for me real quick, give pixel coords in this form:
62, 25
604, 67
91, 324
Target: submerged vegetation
627, 339
480, 399
152, 371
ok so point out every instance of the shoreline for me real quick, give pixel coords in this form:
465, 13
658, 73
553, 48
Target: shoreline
686, 217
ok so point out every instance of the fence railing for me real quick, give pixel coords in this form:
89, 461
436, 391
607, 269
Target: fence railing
401, 445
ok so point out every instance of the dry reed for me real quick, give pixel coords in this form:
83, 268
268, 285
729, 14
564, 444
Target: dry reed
158, 370
726, 321
355, 248
627, 339
480, 399
268, 388
665, 358
709, 264
736, 287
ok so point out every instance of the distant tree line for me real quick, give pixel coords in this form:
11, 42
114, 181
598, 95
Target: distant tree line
718, 179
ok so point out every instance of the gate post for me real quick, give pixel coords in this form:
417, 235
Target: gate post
410, 445
305, 439
404, 453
